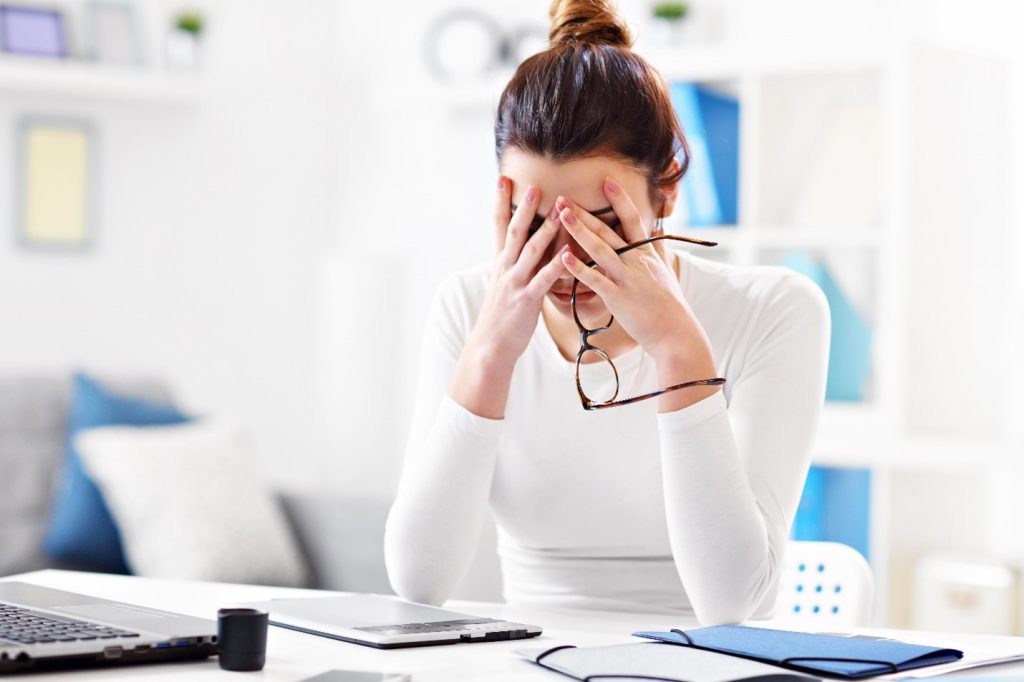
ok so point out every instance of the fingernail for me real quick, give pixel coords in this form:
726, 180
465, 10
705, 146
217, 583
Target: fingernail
531, 194
553, 215
568, 258
501, 182
567, 217
612, 186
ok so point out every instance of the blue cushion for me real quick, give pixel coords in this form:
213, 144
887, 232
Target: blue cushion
81, 532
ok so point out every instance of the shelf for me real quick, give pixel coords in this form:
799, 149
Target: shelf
859, 435
845, 422
784, 238
89, 80
960, 456
725, 235
717, 63
815, 237
696, 64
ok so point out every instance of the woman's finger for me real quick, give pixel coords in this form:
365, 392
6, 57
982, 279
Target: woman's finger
502, 211
598, 249
597, 226
547, 275
518, 227
537, 244
632, 222
659, 246
597, 282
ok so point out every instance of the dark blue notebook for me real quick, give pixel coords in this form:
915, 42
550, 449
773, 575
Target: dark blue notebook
835, 655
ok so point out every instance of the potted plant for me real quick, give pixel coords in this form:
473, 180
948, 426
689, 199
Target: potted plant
183, 40
190, 22
667, 22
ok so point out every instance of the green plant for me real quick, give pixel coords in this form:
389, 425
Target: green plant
190, 22
673, 11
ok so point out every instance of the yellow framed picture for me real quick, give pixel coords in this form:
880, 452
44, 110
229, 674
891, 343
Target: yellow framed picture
56, 177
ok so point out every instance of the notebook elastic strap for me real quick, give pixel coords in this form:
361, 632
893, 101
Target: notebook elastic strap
632, 677
689, 642
553, 650
826, 659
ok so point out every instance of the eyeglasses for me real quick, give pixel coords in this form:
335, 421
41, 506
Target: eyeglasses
586, 347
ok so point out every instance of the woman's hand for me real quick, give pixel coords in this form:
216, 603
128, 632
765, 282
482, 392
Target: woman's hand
508, 318
517, 289
640, 289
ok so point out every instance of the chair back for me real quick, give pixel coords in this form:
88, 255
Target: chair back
824, 584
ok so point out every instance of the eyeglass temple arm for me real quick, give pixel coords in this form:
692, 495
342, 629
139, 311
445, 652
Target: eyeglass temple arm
589, 404
644, 242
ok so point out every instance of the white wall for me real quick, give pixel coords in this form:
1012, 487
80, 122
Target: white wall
209, 214
413, 203
967, 228
959, 199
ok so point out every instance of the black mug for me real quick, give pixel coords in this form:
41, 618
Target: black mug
242, 638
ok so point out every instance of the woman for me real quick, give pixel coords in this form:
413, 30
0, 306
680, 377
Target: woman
679, 503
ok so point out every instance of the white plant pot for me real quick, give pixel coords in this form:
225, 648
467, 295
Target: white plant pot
182, 50
666, 33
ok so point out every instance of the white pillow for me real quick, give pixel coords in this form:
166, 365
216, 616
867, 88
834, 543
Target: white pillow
189, 505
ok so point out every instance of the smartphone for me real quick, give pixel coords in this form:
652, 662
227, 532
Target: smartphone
356, 676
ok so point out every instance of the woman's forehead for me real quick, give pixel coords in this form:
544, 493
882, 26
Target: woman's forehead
581, 180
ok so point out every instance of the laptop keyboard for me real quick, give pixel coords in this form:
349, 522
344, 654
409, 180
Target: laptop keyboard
25, 626
470, 629
420, 628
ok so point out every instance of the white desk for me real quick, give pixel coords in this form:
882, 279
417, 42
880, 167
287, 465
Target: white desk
293, 656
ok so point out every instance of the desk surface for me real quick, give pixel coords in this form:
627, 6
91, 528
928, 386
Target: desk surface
293, 656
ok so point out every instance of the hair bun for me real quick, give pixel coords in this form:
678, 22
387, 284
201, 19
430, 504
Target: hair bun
596, 22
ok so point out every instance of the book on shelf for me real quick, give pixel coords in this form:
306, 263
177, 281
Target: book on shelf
836, 506
849, 356
710, 121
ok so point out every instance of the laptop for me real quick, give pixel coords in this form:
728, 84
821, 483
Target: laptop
387, 622
43, 628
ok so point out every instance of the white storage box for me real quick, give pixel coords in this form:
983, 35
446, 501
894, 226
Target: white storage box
955, 595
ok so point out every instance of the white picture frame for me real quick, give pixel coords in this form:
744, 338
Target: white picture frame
112, 33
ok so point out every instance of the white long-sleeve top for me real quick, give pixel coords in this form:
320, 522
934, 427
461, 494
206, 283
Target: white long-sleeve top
624, 508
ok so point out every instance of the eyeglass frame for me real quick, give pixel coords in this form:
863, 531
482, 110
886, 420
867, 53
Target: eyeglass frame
586, 346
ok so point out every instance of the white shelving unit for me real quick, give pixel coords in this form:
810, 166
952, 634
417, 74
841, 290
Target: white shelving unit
89, 80
783, 101
768, 88
863, 227
708, 63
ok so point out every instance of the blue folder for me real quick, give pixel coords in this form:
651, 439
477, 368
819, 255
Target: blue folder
851, 657
698, 186
721, 115
849, 355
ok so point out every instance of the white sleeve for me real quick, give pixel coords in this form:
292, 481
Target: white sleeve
436, 519
733, 474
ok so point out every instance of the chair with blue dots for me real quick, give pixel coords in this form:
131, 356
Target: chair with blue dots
824, 584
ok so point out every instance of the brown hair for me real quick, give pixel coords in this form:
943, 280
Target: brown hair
590, 94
